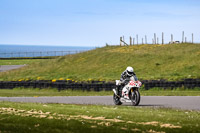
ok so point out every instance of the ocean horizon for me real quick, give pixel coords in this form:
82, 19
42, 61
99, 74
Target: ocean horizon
13, 50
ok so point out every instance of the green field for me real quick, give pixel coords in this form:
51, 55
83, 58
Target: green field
172, 62
25, 92
32, 117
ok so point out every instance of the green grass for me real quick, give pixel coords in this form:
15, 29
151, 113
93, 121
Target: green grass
24, 92
32, 117
172, 62
19, 61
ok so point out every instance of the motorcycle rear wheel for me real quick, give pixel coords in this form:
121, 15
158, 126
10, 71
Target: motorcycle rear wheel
135, 97
116, 100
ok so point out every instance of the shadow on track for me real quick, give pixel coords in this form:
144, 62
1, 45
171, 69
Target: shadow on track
144, 105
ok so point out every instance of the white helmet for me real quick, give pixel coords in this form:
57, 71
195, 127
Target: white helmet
129, 71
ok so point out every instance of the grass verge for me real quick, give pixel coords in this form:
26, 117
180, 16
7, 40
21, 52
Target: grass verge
32, 117
24, 92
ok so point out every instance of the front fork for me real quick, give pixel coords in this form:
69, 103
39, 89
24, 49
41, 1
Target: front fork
132, 95
117, 91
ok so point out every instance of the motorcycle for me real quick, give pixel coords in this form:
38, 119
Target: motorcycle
130, 92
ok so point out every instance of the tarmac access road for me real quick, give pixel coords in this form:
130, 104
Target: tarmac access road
9, 67
177, 102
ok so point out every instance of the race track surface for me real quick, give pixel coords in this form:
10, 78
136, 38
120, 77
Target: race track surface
9, 67
178, 102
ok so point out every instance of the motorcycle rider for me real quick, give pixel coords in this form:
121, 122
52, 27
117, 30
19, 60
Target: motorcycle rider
125, 76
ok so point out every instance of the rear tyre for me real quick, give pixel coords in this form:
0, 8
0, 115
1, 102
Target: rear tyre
135, 97
116, 100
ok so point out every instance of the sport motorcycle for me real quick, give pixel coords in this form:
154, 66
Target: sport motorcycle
129, 93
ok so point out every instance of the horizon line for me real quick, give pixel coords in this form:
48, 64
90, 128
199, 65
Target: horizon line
46, 45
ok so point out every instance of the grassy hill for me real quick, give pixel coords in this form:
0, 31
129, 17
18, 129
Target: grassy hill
172, 62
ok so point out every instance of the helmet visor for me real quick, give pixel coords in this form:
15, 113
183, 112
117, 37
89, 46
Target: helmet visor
130, 73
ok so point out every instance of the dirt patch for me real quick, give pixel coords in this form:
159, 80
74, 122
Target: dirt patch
153, 123
170, 126
98, 120
93, 126
135, 129
43, 116
37, 125
131, 122
104, 124
123, 128
50, 117
152, 131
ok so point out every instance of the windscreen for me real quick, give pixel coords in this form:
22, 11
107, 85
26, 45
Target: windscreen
133, 78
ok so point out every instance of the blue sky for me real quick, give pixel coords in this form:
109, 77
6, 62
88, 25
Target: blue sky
95, 22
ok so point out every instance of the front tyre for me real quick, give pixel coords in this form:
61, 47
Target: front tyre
135, 97
116, 100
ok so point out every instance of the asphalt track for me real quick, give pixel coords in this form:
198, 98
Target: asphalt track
9, 67
177, 102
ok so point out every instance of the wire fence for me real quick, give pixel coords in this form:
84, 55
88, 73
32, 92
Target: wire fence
38, 54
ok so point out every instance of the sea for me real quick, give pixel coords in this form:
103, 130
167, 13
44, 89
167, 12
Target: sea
12, 51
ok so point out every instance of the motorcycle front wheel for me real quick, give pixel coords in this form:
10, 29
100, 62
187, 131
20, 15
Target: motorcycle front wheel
135, 97
116, 100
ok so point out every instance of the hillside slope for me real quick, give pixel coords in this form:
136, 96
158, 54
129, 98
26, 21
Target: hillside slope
172, 62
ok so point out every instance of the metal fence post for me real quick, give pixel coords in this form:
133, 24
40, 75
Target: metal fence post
162, 38
192, 38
